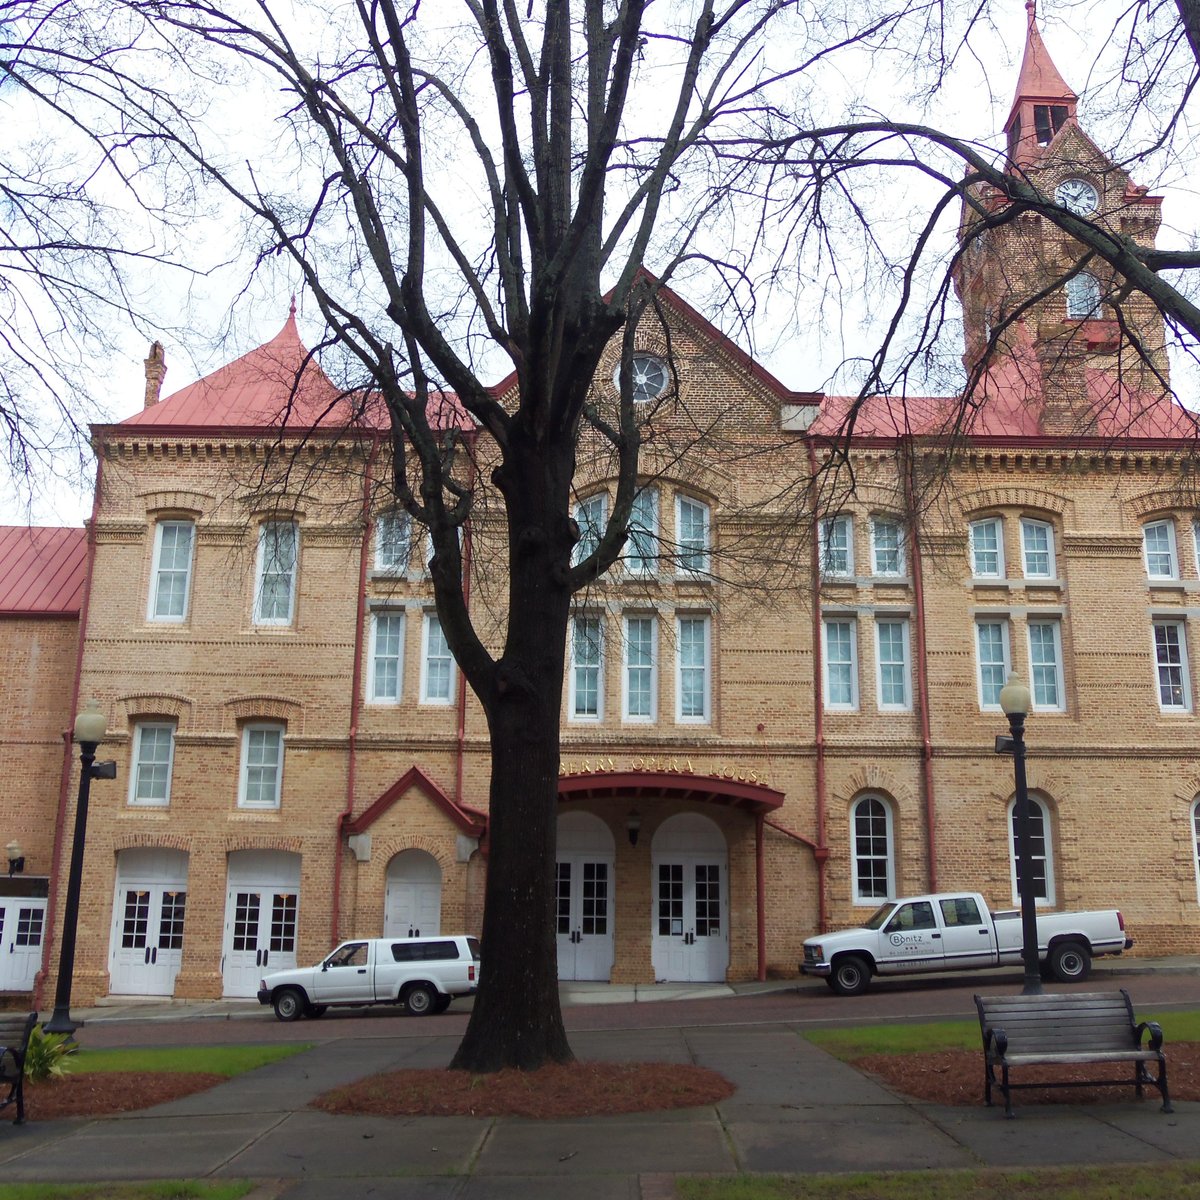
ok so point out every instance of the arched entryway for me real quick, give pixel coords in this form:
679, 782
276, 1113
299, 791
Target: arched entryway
146, 942
690, 922
412, 904
584, 898
261, 910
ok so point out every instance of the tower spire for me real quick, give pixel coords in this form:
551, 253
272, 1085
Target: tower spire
1043, 101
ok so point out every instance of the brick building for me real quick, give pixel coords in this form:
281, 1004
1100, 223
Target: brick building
779, 710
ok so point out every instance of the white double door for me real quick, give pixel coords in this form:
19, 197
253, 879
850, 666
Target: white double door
262, 904
22, 930
584, 898
690, 939
412, 904
149, 906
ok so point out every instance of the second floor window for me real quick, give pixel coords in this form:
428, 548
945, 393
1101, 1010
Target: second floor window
887, 547
591, 515
1045, 663
153, 754
841, 664
991, 639
262, 766
986, 541
640, 683
891, 645
387, 657
1170, 664
586, 691
437, 663
1037, 549
641, 550
171, 576
1083, 296
692, 535
1158, 544
693, 668
393, 539
275, 593
837, 546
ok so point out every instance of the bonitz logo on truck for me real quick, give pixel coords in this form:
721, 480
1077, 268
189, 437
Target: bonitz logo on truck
905, 939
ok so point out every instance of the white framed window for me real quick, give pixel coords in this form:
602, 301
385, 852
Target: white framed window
437, 663
1040, 844
1196, 841
892, 674
386, 677
1037, 549
1083, 296
692, 533
836, 538
872, 856
995, 661
586, 684
153, 758
1045, 664
693, 669
1171, 666
985, 540
641, 548
171, 574
639, 677
887, 547
1158, 548
841, 663
275, 581
393, 541
261, 778
591, 515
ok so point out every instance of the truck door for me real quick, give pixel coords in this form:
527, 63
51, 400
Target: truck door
911, 940
967, 939
343, 979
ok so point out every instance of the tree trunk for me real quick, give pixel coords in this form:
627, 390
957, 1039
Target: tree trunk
517, 1020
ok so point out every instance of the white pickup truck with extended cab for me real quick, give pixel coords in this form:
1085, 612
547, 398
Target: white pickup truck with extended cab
423, 974
954, 931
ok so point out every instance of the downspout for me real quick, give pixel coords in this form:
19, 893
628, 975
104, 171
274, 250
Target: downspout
64, 783
821, 852
460, 733
760, 887
922, 671
355, 686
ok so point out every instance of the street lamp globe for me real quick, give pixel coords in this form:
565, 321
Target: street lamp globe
1015, 697
90, 724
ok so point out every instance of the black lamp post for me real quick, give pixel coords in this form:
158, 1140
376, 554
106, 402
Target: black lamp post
1016, 702
89, 733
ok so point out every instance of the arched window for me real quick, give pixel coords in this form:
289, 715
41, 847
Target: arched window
872, 856
1083, 296
1196, 841
1040, 842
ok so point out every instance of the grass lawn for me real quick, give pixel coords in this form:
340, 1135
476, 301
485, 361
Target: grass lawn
898, 1038
216, 1060
1158, 1182
178, 1189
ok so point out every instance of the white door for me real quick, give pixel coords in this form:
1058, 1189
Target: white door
911, 940
413, 903
261, 910
584, 900
146, 942
690, 936
22, 921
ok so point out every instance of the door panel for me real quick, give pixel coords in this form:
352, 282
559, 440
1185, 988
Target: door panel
260, 936
583, 917
21, 933
690, 941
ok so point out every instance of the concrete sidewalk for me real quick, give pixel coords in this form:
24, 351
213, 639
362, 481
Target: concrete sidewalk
796, 1109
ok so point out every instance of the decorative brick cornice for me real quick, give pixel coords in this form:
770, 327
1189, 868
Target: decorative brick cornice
256, 841
180, 500
138, 705
1109, 545
1159, 499
265, 708
129, 840
872, 777
1017, 496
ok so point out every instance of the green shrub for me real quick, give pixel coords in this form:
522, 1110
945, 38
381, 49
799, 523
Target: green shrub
46, 1057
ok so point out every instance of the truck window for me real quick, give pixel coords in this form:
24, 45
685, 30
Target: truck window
877, 919
352, 955
917, 915
961, 910
424, 951
473, 946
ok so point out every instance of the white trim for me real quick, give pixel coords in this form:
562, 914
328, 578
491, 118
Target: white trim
906, 704
836, 529
1028, 525
403, 537
705, 667
373, 696
244, 772
1195, 839
890, 848
685, 553
292, 571
1172, 572
596, 669
1083, 296
1036, 806
1185, 689
832, 705
972, 536
635, 562
1005, 666
431, 619
901, 556
157, 572
627, 667
1055, 625
136, 763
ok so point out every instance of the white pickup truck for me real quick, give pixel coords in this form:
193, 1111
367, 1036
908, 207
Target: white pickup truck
954, 931
423, 974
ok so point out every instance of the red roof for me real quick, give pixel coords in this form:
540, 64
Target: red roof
279, 386
42, 571
1039, 78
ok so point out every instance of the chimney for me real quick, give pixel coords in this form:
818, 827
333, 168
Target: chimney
156, 368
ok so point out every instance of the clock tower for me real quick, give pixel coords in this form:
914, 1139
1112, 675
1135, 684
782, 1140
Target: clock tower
1043, 318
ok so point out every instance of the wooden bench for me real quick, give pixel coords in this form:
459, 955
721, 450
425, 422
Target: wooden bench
1064, 1030
14, 1041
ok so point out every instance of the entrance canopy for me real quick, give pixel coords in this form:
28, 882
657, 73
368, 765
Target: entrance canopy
727, 790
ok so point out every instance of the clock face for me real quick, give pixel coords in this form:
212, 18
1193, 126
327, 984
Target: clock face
1078, 196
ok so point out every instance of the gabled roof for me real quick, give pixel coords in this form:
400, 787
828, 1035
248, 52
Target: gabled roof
42, 571
471, 821
278, 386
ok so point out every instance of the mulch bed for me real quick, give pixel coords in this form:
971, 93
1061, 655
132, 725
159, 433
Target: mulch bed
561, 1090
103, 1093
956, 1077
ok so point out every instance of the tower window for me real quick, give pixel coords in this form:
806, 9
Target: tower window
1083, 296
1048, 119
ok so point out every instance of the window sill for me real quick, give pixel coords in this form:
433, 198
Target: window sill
985, 581
245, 813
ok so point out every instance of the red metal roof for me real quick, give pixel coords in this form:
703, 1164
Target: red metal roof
42, 571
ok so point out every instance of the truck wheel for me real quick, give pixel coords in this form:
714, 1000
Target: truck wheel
316, 1010
851, 975
419, 999
289, 1004
1070, 962
441, 1004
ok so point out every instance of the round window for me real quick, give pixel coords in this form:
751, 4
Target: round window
649, 377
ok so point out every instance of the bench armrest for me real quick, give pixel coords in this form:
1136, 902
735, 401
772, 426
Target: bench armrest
995, 1041
1155, 1031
